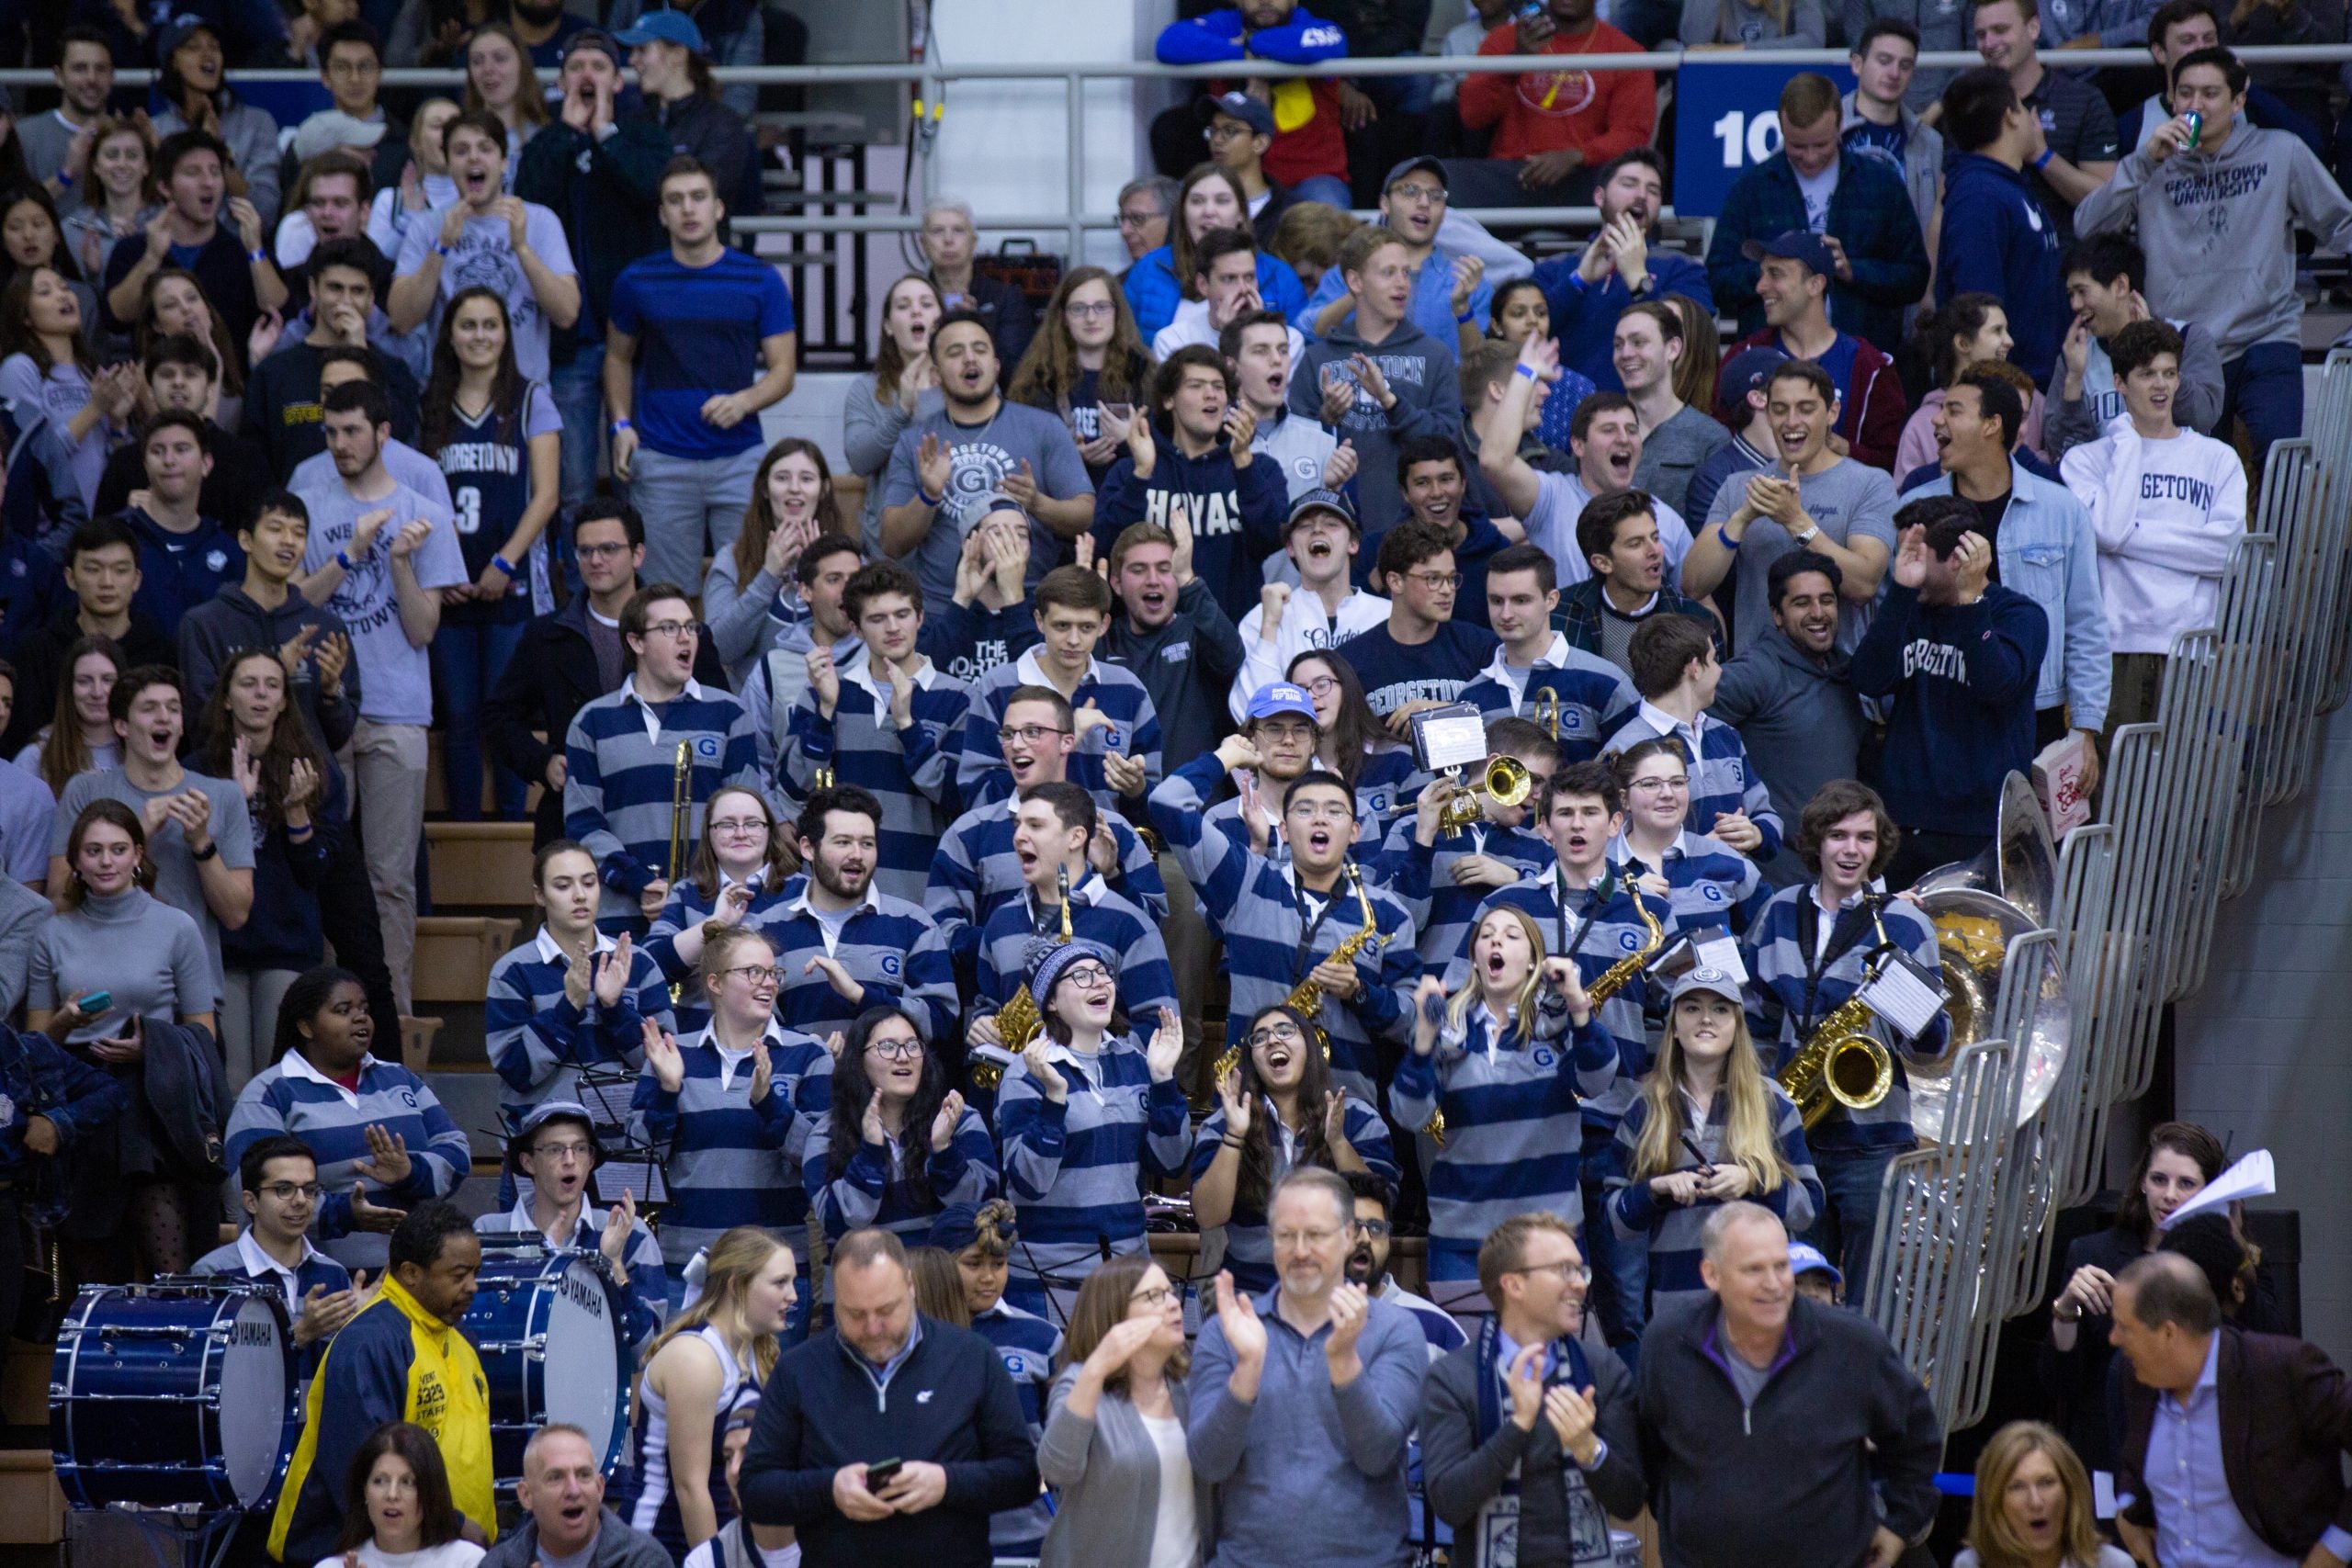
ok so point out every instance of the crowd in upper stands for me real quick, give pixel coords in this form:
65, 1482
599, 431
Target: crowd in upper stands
894, 823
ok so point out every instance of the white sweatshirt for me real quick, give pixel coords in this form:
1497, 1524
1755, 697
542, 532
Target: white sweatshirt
2166, 514
1305, 627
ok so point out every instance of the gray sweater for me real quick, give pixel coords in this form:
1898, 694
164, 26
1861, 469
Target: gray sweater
615, 1545
1801, 721
1105, 1472
739, 624
870, 428
1462, 1473
1308, 1475
1672, 452
141, 951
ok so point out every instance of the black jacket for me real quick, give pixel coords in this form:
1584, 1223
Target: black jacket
551, 676
1794, 1478
714, 135
41, 654
950, 1402
240, 478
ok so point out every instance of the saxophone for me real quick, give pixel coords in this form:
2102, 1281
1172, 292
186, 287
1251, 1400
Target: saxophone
1018, 1020
1305, 999
1610, 981
1842, 1063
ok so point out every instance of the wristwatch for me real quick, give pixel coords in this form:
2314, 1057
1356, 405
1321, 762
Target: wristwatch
1812, 532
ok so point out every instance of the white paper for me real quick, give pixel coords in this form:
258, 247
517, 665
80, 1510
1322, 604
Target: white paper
1723, 953
2103, 1493
2254, 1175
1902, 1000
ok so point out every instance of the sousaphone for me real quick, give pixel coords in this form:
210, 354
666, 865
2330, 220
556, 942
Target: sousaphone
1979, 908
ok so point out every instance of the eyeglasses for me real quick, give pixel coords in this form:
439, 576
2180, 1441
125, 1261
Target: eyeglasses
1273, 1033
564, 1151
756, 973
1217, 134
1375, 1229
1420, 193
1028, 734
1139, 219
1660, 786
1568, 1273
1158, 1296
894, 1050
1321, 811
1087, 309
1322, 685
1436, 579
1086, 976
287, 1191
681, 630
740, 826
601, 552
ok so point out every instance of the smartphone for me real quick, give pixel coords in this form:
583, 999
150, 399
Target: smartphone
878, 1476
1532, 11
96, 1002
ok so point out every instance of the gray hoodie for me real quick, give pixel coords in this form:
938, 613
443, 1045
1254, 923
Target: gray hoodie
2219, 231
1426, 379
1798, 717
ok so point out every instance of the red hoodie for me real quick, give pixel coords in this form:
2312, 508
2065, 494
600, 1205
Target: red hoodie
1872, 407
1599, 113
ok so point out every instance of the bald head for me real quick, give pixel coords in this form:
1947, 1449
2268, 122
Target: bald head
2166, 1316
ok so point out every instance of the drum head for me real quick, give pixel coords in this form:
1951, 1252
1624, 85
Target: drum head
253, 1402
582, 1379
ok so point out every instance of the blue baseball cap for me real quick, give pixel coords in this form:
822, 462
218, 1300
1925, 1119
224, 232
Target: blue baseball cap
1806, 1259
669, 26
1243, 108
1280, 697
1746, 372
1800, 245
1321, 500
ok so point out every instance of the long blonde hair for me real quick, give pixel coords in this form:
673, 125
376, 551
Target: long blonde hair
733, 1261
1996, 1544
1457, 1011
1748, 1139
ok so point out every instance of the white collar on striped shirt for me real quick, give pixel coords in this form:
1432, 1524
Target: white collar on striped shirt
1686, 844
1514, 678
797, 903
260, 1265
653, 719
777, 1037
1089, 889
550, 951
1664, 722
294, 1065
1033, 671
861, 673
592, 1219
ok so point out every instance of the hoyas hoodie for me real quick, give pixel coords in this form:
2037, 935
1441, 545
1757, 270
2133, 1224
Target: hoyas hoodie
1962, 681
1237, 512
1997, 238
1421, 372
2220, 229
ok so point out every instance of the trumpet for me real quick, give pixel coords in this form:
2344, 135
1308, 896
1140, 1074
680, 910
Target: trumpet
1506, 781
1018, 1020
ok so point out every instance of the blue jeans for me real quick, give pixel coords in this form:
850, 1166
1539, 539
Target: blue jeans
579, 390
2264, 386
1848, 1222
1619, 1265
683, 500
466, 659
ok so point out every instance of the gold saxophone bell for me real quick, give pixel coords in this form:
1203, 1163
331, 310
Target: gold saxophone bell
1506, 781
1841, 1064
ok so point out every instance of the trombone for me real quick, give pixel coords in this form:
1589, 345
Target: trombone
1547, 713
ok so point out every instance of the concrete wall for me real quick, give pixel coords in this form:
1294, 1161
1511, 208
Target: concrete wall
2264, 1058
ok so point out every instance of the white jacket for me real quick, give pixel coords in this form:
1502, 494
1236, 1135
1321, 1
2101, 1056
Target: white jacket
1304, 629
2166, 515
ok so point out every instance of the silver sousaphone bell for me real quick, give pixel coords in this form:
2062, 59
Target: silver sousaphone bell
1979, 908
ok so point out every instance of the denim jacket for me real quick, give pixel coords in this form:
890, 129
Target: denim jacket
2048, 554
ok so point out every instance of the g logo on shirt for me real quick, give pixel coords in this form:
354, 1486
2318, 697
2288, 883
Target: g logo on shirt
408, 1098
1713, 894
890, 965
1544, 1058
706, 748
1628, 942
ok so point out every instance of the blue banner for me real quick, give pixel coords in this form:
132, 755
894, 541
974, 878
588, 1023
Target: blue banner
1727, 120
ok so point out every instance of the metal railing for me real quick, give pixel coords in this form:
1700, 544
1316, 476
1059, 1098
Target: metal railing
930, 78
1963, 1239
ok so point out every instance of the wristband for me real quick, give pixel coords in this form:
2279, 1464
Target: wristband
1523, 368
256, 255
207, 853
65, 179
1463, 319
1722, 533
621, 425
441, 249
344, 561
933, 502
502, 564
2047, 154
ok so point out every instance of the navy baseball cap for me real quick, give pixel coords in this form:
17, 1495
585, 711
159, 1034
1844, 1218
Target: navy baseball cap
1245, 109
1409, 165
1321, 500
1743, 373
1800, 245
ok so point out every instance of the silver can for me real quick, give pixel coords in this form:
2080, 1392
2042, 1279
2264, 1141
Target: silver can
1625, 1549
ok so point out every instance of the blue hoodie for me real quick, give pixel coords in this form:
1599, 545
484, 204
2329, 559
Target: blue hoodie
179, 571
1962, 677
1584, 316
1997, 240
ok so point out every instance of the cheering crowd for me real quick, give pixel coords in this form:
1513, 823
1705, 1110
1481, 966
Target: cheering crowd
955, 881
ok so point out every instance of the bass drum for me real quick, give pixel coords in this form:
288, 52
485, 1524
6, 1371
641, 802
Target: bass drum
548, 1327
179, 1393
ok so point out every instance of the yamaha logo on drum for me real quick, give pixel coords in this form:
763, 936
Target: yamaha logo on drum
258, 1331
582, 1292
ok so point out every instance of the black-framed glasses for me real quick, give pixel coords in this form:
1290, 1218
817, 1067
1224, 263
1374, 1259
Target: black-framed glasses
754, 973
1377, 1229
894, 1050
1028, 734
287, 1191
1569, 1273
1276, 1032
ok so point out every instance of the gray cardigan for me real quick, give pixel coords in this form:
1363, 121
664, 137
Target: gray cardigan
1106, 1475
1461, 1473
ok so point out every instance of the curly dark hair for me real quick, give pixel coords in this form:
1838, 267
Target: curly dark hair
853, 1089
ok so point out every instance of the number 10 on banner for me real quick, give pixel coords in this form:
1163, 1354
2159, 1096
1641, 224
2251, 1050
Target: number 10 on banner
1759, 137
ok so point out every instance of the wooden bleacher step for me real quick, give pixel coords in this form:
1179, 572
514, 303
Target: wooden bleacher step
454, 953
480, 864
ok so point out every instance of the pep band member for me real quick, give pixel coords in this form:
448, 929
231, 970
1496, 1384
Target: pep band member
1490, 1060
